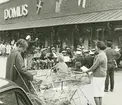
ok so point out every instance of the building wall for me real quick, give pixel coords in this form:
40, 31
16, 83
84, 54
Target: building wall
68, 7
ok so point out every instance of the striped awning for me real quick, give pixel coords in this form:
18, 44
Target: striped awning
101, 16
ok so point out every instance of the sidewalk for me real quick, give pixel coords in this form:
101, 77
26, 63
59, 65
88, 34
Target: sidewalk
110, 98
115, 98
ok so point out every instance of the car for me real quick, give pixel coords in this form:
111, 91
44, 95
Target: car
12, 94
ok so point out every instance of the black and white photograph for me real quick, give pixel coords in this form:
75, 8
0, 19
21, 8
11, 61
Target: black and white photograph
60, 52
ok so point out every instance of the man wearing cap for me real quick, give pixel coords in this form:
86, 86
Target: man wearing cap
78, 57
30, 49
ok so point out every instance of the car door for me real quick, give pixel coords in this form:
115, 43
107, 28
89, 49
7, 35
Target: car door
14, 97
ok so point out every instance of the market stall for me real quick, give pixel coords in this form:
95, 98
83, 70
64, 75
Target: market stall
59, 88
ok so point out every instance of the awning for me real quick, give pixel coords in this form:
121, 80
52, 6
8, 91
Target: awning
102, 16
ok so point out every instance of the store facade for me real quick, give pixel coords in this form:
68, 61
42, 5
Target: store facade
62, 22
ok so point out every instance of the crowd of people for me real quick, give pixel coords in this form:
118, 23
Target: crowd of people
47, 57
101, 61
5, 49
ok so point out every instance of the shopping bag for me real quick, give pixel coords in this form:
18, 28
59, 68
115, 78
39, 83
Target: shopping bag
86, 79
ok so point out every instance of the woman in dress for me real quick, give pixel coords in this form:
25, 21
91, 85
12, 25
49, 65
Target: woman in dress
15, 60
99, 69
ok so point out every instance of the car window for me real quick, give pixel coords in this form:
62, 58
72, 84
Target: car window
14, 97
8, 98
22, 98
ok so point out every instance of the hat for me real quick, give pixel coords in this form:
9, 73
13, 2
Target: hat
92, 49
28, 37
78, 49
68, 48
85, 51
63, 51
78, 52
117, 49
91, 53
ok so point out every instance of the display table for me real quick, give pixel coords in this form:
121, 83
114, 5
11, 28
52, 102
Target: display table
54, 89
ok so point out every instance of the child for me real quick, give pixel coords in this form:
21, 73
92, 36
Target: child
77, 67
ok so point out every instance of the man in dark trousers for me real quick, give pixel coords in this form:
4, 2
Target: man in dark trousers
111, 56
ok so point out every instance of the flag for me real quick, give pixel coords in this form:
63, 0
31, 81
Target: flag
79, 2
58, 5
82, 3
39, 6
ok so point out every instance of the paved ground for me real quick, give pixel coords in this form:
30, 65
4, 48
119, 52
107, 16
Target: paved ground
110, 98
2, 66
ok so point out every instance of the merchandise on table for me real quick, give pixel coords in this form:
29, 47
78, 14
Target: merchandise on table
58, 88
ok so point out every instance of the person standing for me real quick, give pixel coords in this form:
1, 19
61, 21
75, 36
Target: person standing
88, 59
30, 50
15, 60
111, 56
3, 50
1, 47
99, 69
61, 67
8, 48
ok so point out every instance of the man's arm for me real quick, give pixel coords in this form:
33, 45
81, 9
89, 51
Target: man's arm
33, 42
21, 67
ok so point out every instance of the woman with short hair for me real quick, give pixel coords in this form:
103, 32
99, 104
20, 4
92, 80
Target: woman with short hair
99, 69
15, 60
61, 67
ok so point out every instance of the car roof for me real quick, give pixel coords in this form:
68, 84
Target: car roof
7, 85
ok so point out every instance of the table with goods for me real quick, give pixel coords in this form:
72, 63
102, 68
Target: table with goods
55, 88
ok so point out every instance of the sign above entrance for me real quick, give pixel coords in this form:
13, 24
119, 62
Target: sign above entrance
16, 12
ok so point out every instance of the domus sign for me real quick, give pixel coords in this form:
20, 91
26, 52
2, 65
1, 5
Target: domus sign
16, 12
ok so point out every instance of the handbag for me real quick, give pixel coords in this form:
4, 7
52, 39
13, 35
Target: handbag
86, 79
